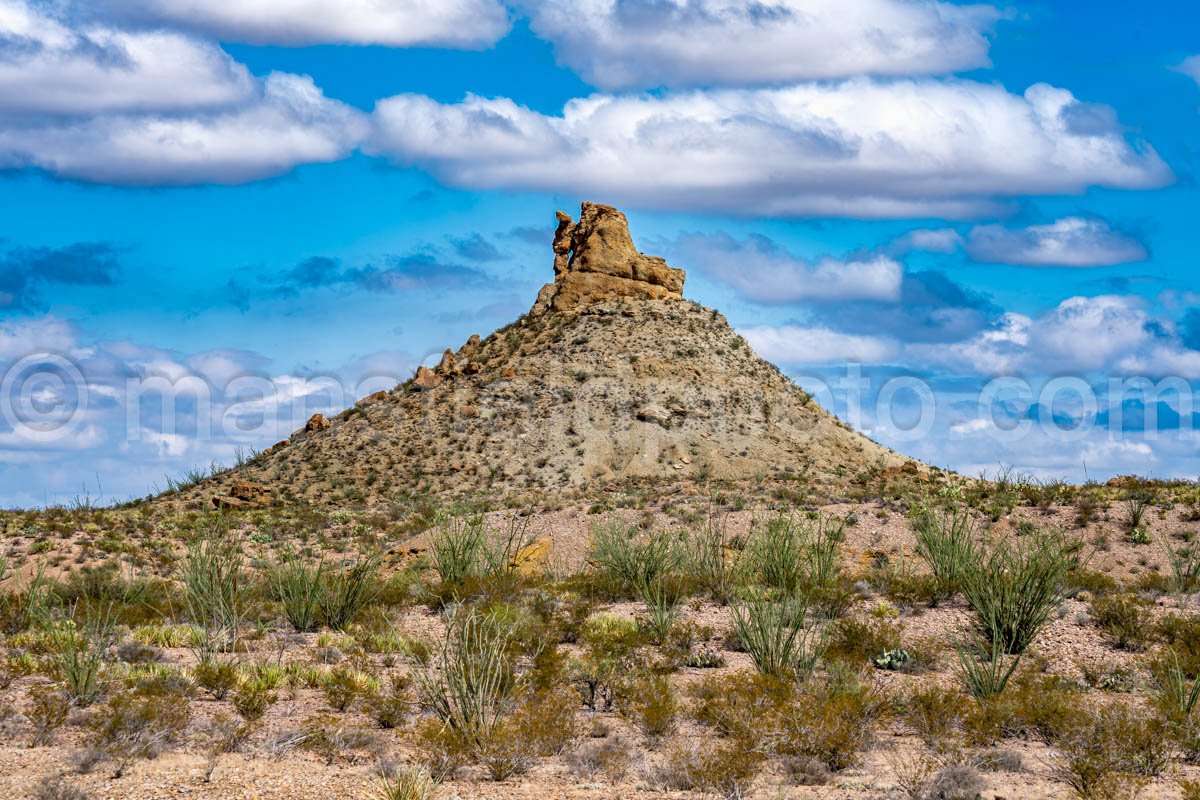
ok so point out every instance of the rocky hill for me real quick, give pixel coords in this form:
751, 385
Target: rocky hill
611, 377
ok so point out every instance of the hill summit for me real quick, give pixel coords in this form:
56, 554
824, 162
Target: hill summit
611, 377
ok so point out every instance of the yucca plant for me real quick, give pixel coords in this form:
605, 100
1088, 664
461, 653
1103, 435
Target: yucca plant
1177, 695
780, 637
346, 592
410, 783
984, 668
1013, 586
298, 587
77, 655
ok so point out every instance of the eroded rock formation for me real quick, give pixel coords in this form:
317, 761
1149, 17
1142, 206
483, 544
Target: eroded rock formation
595, 260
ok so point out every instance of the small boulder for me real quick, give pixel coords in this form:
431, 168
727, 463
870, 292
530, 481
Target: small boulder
426, 379
317, 422
654, 413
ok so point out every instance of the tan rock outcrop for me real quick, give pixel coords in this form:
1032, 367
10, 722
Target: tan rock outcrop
426, 379
595, 260
317, 422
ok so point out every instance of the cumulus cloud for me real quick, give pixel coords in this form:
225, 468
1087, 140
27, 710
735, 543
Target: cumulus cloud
1068, 242
1108, 333
619, 44
290, 122
857, 148
470, 24
48, 66
800, 344
759, 269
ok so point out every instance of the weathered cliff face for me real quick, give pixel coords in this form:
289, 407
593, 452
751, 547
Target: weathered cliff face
595, 260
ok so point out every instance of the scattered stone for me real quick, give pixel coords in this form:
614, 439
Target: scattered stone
372, 399
654, 413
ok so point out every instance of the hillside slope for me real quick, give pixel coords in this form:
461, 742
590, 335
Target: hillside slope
611, 377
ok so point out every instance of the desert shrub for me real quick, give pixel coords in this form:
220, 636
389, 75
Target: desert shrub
650, 704
27, 604
297, 585
935, 715
734, 705
456, 548
252, 699
858, 641
1111, 753
332, 738
1184, 561
1137, 502
1124, 619
611, 757
410, 783
221, 735
1036, 705
344, 685
1013, 586
541, 724
953, 782
832, 722
662, 597
723, 767
501, 548
946, 541
55, 788
715, 560
391, 705
791, 553
608, 641
1189, 789
137, 724
77, 655
347, 591
48, 710
216, 677
473, 678
631, 560
439, 748
780, 637
213, 590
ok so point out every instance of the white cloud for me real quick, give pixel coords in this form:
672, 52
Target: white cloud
442, 23
796, 344
931, 240
291, 123
1191, 68
1068, 242
861, 147
48, 67
762, 271
618, 44
1112, 334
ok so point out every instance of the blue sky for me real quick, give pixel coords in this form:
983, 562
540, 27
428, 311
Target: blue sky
960, 195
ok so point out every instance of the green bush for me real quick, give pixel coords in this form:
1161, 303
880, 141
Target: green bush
1013, 586
946, 540
621, 554
298, 586
346, 592
1111, 753
137, 724
213, 590
77, 657
780, 637
1124, 618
